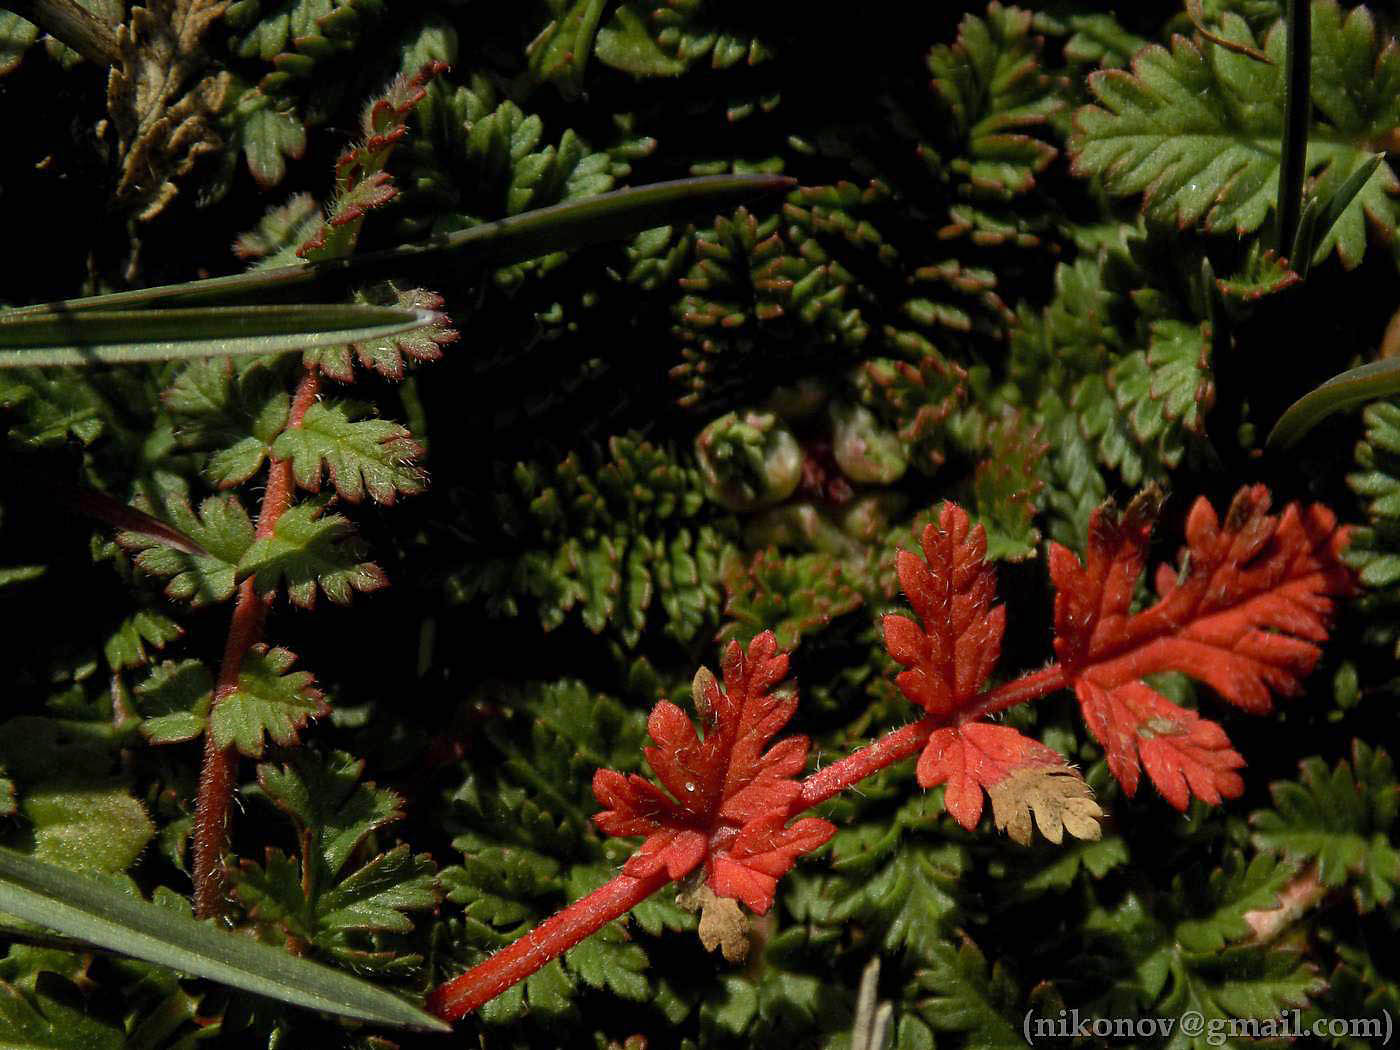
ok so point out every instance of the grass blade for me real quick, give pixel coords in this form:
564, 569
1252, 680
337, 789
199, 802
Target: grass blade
1297, 104
53, 336
1355, 387
82, 907
526, 236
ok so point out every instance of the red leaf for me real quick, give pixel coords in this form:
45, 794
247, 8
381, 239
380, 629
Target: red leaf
727, 798
952, 591
1245, 617
973, 757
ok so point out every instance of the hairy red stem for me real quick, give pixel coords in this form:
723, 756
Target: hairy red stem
550, 939
216, 777
1018, 691
557, 934
869, 760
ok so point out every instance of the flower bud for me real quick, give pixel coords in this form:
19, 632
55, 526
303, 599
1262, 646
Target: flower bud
749, 461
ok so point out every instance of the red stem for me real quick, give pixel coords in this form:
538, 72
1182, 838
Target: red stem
557, 934
550, 939
855, 767
216, 778
1019, 691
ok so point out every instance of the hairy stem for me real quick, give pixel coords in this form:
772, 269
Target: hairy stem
216, 777
550, 939
566, 928
869, 760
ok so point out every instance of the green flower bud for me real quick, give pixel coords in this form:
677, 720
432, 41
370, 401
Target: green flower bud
749, 461
865, 451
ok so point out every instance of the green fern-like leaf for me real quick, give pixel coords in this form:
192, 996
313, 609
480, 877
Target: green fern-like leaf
1342, 820
271, 701
990, 80
1196, 128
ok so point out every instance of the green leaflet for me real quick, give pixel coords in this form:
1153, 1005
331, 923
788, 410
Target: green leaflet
373, 456
1341, 820
270, 700
1197, 129
96, 912
309, 553
127, 646
992, 84
966, 994
221, 533
648, 38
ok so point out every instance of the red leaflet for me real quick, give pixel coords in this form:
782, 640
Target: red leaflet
1252, 602
950, 658
728, 799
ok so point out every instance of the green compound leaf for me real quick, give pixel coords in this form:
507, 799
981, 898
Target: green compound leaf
105, 916
971, 996
271, 701
1375, 548
1342, 820
370, 899
361, 455
321, 898
1198, 129
221, 533
307, 552
1234, 890
328, 803
45, 337
231, 412
991, 82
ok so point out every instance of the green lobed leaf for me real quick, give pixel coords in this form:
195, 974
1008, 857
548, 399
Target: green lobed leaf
222, 533
174, 700
308, 552
1198, 129
126, 648
360, 454
271, 701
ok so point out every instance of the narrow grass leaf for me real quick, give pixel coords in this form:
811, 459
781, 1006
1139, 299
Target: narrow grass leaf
82, 907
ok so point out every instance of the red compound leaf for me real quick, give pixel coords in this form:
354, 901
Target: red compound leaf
727, 798
948, 660
952, 591
1244, 615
